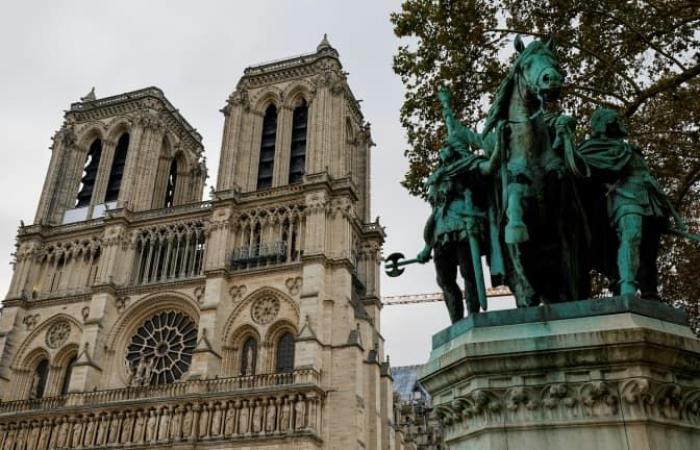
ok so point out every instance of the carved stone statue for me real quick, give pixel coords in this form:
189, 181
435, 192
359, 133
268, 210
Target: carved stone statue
33, 436
165, 424
175, 423
270, 416
299, 414
151, 426
77, 432
285, 415
62, 437
230, 421
243, 421
257, 417
127, 427
89, 431
203, 429
139, 427
114, 426
102, 429
187, 421
45, 435
216, 420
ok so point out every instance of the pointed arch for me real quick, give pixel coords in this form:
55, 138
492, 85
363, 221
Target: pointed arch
268, 141
145, 307
249, 299
89, 174
31, 343
116, 172
297, 153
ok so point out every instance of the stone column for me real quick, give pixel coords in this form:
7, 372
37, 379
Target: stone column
280, 176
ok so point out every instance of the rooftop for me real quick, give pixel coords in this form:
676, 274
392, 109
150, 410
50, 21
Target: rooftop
90, 103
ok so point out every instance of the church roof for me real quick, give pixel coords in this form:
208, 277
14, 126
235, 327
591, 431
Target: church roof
89, 104
406, 381
324, 49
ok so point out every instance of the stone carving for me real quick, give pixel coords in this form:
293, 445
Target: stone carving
237, 292
30, 321
121, 303
294, 285
299, 414
265, 309
85, 312
58, 333
639, 398
199, 294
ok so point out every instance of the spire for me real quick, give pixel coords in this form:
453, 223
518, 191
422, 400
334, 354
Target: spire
90, 96
324, 44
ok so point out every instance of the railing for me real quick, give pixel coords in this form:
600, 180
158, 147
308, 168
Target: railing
230, 416
280, 63
151, 91
180, 209
261, 255
178, 389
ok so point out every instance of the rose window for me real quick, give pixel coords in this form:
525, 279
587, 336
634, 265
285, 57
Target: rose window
58, 334
161, 350
265, 309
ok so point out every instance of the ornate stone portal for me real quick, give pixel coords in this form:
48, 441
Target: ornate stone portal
615, 373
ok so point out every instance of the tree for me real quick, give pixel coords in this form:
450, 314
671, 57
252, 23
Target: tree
639, 57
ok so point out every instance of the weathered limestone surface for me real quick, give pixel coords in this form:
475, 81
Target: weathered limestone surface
618, 373
249, 320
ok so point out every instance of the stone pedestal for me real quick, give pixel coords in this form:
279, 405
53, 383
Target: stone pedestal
608, 374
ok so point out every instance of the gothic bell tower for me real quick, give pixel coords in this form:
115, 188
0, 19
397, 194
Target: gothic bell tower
132, 151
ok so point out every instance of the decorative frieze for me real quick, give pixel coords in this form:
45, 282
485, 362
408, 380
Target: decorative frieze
569, 403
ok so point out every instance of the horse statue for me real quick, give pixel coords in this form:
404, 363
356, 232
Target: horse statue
539, 217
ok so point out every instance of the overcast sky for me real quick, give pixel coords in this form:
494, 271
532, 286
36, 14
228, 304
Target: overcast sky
54, 52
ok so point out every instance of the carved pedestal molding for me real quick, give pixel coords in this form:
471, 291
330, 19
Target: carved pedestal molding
615, 381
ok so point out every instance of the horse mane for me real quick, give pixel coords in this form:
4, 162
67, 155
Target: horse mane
505, 89
500, 102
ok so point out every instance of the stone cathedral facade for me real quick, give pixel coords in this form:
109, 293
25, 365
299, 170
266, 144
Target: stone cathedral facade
142, 316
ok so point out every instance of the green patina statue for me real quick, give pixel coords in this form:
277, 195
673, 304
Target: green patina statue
523, 194
637, 208
457, 229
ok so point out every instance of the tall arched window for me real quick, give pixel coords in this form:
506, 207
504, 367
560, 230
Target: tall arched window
87, 182
170, 187
39, 377
285, 353
67, 374
249, 355
117, 171
267, 148
297, 158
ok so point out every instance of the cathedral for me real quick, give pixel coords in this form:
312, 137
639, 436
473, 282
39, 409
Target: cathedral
141, 315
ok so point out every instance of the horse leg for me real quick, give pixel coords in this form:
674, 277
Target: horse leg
519, 284
516, 230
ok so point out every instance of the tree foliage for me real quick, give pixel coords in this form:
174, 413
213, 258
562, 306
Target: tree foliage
639, 57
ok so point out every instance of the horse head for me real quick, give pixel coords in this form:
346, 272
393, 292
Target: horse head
539, 69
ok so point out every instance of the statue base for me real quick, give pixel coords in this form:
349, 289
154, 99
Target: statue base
608, 374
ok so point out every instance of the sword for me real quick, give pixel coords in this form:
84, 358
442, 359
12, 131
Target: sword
475, 252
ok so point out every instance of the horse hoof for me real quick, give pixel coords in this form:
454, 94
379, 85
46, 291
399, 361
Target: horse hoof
516, 234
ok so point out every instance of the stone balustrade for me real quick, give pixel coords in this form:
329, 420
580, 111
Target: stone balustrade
199, 410
210, 386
